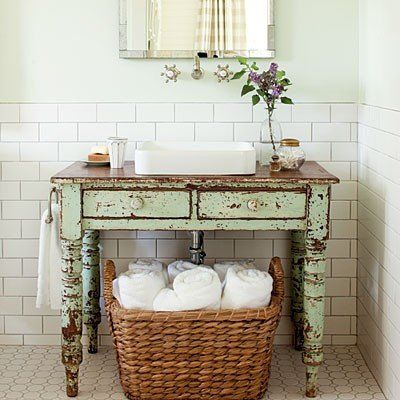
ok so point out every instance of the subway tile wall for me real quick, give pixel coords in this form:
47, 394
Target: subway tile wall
37, 140
379, 250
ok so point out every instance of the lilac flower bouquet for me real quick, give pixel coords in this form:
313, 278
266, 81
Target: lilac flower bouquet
269, 86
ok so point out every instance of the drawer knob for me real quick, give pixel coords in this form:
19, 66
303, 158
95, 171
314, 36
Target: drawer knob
253, 205
137, 203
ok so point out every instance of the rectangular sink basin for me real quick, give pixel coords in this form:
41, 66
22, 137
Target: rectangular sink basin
195, 158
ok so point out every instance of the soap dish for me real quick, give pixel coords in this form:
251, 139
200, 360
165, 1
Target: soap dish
96, 163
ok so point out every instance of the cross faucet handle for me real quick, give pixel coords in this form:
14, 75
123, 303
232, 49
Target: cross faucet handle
171, 73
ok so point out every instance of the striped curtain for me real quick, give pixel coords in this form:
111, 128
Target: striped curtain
221, 26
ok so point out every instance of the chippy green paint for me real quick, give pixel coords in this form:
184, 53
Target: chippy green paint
297, 287
316, 237
91, 286
200, 205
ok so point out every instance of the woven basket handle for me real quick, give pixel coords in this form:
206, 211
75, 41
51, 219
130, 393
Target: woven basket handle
276, 271
108, 277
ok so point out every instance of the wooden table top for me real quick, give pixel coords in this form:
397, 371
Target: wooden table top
79, 172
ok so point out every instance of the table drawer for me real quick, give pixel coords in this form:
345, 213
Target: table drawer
252, 204
149, 204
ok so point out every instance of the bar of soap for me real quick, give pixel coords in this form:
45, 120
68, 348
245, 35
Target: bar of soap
99, 150
98, 157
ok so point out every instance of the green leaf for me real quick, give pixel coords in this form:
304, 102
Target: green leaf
254, 66
285, 82
239, 74
286, 100
247, 89
280, 74
255, 99
242, 60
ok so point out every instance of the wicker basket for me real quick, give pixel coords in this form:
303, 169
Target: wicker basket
209, 355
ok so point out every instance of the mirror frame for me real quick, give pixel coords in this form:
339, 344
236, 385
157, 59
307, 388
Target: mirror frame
124, 52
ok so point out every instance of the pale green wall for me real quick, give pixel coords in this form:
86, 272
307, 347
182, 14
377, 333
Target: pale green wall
66, 50
380, 53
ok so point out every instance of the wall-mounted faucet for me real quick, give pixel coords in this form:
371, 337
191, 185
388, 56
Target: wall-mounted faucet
196, 249
197, 72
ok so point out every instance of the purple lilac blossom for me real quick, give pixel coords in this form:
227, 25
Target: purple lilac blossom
254, 77
273, 68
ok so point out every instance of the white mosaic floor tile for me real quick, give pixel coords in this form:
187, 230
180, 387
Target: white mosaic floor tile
28, 372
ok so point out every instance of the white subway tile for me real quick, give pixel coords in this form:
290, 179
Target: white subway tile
340, 210
214, 132
154, 112
77, 112
115, 112
198, 112
311, 113
331, 132
30, 229
23, 324
9, 151
175, 131
338, 248
15, 248
29, 308
317, 151
344, 151
218, 248
247, 132
255, 248
344, 191
137, 132
35, 190
58, 132
11, 340
19, 132
74, 151
297, 130
20, 209
96, 131
137, 248
343, 306
169, 248
38, 113
29, 267
11, 305
344, 112
344, 229
231, 112
9, 112
39, 151
42, 340
20, 286
341, 169
337, 325
24, 171
10, 229
10, 191
48, 169
10, 267
282, 113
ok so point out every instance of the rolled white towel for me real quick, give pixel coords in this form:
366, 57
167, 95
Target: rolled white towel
137, 288
175, 268
246, 288
194, 289
222, 267
151, 265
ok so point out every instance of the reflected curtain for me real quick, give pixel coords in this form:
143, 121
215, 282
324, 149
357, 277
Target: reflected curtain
221, 26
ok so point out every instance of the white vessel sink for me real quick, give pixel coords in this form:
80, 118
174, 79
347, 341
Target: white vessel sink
195, 158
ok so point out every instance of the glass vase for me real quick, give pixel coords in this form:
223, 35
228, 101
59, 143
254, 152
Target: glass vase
270, 137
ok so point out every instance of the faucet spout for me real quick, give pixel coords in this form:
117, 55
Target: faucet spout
197, 72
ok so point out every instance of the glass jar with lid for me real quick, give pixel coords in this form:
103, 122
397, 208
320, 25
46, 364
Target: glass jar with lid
291, 155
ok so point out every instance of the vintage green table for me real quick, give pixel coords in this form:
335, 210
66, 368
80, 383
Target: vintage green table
97, 198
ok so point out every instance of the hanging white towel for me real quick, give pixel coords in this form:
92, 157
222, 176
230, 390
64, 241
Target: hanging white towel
175, 268
151, 265
49, 263
246, 288
194, 289
221, 268
137, 288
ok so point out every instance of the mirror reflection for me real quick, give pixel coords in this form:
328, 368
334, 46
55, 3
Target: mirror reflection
208, 28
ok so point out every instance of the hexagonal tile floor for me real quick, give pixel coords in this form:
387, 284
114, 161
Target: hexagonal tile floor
29, 372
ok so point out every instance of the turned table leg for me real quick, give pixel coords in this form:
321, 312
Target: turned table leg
316, 237
91, 286
71, 313
297, 287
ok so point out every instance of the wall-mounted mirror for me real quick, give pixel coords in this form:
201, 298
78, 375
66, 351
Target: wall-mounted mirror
207, 28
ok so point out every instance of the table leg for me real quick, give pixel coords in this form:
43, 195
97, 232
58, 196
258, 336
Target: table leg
297, 287
91, 286
316, 237
71, 312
